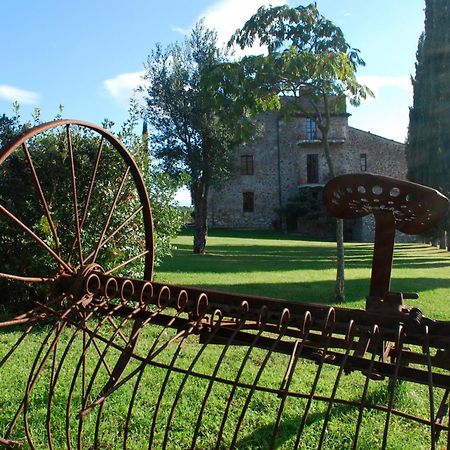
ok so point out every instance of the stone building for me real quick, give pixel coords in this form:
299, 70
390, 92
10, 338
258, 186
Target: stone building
288, 157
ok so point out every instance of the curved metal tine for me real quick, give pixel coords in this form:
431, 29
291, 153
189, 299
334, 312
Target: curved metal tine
184, 335
25, 319
8, 443
140, 372
430, 387
290, 370
42, 199
375, 341
329, 333
35, 237
33, 379
128, 261
253, 386
22, 320
120, 227
448, 433
253, 344
441, 413
98, 365
111, 211
56, 367
120, 383
350, 337
115, 326
16, 345
214, 376
58, 326
399, 348
140, 369
35, 314
80, 362
88, 197
113, 382
62, 359
74, 195
83, 387
187, 375
83, 381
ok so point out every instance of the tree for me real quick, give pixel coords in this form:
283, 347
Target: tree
428, 143
199, 106
309, 60
49, 154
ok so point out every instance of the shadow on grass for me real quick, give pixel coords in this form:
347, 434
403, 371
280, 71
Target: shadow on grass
290, 426
321, 291
256, 258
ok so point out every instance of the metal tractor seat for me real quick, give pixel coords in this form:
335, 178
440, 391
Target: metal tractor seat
108, 358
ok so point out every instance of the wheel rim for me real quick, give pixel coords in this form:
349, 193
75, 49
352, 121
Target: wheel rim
103, 214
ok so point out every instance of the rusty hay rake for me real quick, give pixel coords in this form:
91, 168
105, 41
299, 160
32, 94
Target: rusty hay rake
107, 358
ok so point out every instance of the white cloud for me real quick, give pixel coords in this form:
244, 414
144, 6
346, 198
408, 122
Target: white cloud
225, 16
123, 86
11, 93
378, 82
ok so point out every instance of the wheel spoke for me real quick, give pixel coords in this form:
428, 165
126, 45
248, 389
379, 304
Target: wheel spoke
111, 211
74, 194
89, 194
128, 261
9, 276
41, 197
35, 237
123, 224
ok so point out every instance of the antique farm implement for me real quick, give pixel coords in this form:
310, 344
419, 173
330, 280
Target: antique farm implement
105, 357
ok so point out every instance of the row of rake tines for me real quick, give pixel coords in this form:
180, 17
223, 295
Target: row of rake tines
198, 316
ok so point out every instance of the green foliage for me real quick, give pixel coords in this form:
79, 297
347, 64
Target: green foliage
308, 58
428, 143
310, 61
186, 133
21, 255
198, 108
307, 203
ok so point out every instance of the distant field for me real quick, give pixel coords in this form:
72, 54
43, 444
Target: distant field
286, 266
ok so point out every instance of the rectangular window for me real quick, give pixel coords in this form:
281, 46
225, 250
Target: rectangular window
311, 129
312, 168
248, 201
247, 167
363, 162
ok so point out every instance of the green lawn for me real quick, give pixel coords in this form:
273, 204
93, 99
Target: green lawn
263, 263
289, 267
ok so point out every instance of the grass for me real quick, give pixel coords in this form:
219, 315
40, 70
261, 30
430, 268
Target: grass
264, 263
276, 265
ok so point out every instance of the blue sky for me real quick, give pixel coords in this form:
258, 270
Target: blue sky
89, 55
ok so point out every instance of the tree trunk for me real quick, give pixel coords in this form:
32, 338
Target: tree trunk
200, 197
443, 240
339, 292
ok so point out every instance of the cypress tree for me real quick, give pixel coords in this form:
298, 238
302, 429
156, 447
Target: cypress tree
428, 143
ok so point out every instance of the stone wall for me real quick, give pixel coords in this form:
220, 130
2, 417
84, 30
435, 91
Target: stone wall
280, 167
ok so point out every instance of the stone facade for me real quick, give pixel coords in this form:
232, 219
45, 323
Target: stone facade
272, 168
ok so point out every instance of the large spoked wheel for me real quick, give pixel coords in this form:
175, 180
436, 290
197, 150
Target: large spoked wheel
72, 202
71, 197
